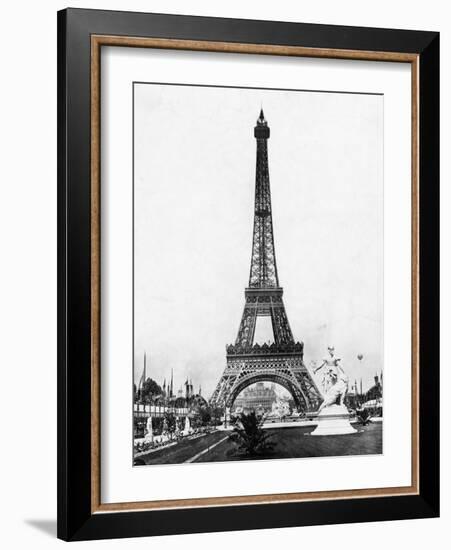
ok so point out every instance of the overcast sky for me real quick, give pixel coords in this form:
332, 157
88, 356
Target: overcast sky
194, 193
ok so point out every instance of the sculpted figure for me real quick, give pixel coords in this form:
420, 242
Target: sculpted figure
334, 380
149, 431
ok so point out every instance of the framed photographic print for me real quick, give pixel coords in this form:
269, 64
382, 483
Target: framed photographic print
248, 274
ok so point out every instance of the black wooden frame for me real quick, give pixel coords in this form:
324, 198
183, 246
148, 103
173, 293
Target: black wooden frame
75, 520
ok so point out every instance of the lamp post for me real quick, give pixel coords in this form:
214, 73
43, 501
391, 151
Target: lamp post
360, 357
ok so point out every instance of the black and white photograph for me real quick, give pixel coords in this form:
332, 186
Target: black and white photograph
257, 273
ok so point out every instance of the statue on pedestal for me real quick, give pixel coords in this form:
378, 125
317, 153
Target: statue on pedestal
333, 415
149, 431
187, 429
334, 381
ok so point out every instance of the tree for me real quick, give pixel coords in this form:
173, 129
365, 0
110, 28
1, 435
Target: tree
250, 436
135, 394
150, 389
216, 414
170, 422
205, 415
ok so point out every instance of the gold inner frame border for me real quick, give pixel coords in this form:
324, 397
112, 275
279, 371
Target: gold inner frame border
97, 41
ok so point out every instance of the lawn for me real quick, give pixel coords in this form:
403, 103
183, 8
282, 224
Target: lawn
294, 442
182, 451
297, 443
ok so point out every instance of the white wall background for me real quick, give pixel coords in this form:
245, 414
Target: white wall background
28, 274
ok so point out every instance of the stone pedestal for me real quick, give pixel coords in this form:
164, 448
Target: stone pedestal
149, 431
187, 429
334, 420
226, 418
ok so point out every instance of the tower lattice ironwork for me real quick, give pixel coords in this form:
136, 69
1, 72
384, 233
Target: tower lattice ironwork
281, 361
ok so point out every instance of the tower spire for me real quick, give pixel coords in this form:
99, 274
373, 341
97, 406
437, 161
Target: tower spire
264, 294
263, 271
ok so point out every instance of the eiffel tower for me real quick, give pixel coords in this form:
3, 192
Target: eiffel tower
282, 361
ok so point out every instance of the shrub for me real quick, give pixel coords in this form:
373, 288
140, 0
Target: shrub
249, 435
